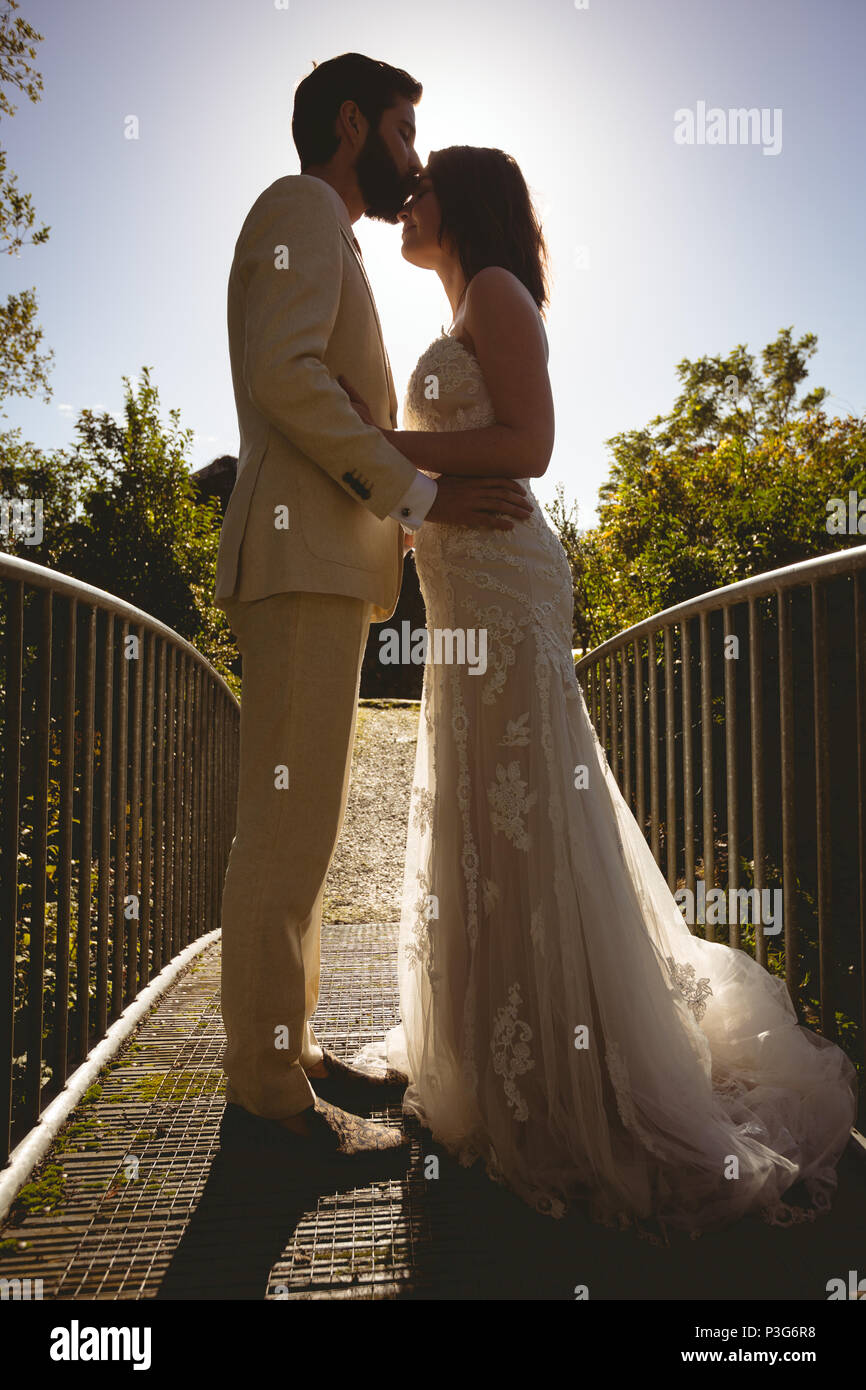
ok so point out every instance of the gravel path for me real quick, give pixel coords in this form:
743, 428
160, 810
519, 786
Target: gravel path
365, 882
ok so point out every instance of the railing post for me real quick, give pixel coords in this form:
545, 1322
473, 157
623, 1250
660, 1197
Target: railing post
822, 809
789, 835
118, 999
670, 761
10, 811
105, 758
860, 721
614, 723
133, 925
40, 783
655, 816
199, 825
64, 876
149, 643
161, 816
756, 732
187, 824
688, 764
709, 848
173, 945
731, 779
85, 863
639, 754
626, 725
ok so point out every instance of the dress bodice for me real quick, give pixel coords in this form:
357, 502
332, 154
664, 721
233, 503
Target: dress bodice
455, 564
447, 390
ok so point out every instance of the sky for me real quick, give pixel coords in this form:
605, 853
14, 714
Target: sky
661, 248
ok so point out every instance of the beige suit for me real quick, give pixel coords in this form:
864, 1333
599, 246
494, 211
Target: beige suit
308, 556
292, 330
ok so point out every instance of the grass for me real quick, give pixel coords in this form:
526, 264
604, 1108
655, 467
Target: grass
41, 1196
171, 1086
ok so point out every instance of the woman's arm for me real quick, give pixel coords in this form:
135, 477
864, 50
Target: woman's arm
502, 322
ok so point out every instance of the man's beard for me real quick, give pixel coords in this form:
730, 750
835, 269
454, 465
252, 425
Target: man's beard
383, 189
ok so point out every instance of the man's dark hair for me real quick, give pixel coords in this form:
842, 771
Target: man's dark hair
351, 77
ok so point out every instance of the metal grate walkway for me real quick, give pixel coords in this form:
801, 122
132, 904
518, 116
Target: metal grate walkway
136, 1202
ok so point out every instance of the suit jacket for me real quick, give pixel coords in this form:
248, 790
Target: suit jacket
315, 485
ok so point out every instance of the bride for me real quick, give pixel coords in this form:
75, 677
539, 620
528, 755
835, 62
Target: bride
560, 1021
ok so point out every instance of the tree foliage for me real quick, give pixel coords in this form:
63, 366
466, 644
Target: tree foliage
23, 367
121, 512
734, 481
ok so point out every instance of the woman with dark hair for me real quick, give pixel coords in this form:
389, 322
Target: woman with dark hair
560, 1021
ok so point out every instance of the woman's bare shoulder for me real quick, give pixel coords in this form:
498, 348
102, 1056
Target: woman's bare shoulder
497, 302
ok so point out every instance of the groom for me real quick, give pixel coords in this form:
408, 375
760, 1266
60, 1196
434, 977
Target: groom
311, 552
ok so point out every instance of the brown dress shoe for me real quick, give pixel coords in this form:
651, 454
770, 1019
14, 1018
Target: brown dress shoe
345, 1085
334, 1134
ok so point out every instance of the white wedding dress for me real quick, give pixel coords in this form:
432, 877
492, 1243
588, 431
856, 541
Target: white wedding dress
560, 1021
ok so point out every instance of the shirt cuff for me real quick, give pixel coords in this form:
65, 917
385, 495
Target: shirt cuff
414, 505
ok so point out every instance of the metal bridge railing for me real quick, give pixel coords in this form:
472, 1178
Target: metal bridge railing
735, 725
119, 777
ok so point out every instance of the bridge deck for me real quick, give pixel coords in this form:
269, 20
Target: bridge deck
135, 1201
187, 1223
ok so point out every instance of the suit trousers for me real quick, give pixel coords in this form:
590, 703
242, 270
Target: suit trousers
301, 673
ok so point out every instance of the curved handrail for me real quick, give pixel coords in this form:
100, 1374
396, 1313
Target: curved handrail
757, 586
13, 567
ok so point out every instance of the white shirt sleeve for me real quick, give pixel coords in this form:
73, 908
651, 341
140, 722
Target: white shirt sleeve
414, 505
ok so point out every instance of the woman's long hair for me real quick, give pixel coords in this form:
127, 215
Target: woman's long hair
487, 215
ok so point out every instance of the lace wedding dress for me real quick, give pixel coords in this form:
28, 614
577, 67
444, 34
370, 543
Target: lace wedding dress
560, 1021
